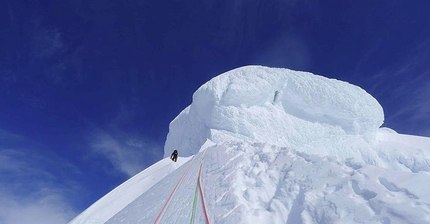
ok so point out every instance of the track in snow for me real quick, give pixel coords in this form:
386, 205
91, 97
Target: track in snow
178, 209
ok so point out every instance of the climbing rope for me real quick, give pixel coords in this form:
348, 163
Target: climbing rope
199, 186
193, 212
203, 196
173, 192
198, 189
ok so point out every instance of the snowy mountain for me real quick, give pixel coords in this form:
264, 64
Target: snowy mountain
268, 145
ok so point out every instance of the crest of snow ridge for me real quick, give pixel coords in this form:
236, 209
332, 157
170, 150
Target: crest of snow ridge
275, 106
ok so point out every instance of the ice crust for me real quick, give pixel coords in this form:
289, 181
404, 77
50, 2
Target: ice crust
278, 106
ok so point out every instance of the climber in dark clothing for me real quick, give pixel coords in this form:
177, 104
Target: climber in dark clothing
174, 155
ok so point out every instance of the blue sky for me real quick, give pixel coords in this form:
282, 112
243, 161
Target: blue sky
88, 88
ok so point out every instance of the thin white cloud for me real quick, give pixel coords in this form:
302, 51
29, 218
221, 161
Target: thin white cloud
129, 155
9, 165
29, 191
416, 90
411, 93
421, 102
10, 136
366, 59
49, 208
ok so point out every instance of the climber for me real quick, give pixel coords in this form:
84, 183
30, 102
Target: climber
174, 155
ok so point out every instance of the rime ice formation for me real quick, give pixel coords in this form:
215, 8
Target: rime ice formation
279, 146
277, 106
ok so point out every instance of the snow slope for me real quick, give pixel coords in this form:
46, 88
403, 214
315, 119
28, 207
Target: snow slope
259, 183
122, 195
279, 146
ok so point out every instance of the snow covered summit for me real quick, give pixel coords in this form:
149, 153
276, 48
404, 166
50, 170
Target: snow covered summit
276, 106
269, 145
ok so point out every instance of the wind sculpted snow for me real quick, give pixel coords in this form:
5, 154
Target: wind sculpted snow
277, 106
280, 146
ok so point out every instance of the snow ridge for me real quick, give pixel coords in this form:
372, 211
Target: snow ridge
261, 183
280, 146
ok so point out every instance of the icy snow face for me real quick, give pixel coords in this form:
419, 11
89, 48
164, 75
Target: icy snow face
276, 106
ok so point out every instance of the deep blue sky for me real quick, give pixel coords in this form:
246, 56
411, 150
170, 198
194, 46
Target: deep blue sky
88, 88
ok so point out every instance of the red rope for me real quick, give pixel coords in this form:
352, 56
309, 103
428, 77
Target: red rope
176, 186
202, 194
171, 194
203, 201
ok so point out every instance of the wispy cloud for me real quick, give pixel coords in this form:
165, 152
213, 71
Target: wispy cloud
37, 58
50, 208
405, 88
414, 89
421, 102
48, 48
37, 52
421, 108
366, 59
127, 151
5, 135
127, 154
30, 192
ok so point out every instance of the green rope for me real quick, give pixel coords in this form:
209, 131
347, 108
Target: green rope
193, 213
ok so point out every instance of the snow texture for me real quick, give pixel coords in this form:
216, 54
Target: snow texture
276, 106
122, 195
278, 146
